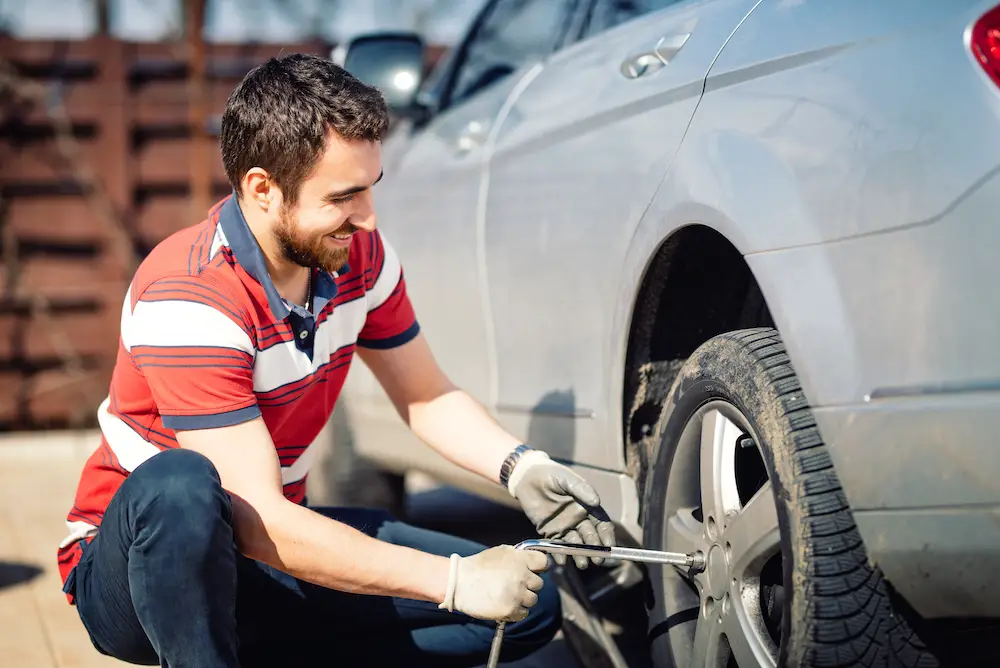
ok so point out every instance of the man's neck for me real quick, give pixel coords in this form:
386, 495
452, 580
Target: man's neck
290, 280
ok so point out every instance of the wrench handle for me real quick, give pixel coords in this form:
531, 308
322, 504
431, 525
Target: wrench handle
693, 560
495, 646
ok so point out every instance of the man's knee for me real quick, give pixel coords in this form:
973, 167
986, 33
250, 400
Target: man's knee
180, 489
543, 621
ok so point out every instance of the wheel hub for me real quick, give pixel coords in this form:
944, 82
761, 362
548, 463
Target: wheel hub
717, 507
717, 572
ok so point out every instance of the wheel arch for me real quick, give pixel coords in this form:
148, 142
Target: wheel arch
694, 285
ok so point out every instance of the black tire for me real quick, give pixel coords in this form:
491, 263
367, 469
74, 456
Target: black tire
836, 609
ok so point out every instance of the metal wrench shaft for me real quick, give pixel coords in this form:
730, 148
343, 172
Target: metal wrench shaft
695, 560
623, 553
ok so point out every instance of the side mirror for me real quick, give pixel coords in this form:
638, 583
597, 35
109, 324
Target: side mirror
392, 62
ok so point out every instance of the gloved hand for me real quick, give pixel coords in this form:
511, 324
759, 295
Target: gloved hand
497, 584
560, 504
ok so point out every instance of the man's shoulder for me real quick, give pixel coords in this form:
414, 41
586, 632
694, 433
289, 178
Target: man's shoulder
191, 256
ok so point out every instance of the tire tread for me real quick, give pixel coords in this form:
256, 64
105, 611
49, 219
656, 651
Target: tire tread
850, 621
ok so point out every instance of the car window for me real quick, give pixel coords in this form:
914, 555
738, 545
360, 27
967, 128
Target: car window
606, 14
512, 34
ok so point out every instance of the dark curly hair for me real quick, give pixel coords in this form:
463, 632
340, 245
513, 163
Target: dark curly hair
280, 114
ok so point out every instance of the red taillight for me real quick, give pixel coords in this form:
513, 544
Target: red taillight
985, 43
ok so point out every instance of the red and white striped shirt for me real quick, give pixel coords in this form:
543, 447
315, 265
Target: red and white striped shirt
206, 341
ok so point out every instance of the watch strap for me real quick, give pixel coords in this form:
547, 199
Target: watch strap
510, 461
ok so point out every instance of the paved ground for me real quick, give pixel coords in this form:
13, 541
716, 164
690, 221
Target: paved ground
38, 475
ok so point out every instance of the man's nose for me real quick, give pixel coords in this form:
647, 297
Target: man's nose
363, 217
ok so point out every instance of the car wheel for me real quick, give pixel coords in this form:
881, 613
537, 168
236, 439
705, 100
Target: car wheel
741, 475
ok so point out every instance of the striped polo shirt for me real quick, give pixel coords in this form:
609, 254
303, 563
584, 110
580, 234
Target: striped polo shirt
207, 341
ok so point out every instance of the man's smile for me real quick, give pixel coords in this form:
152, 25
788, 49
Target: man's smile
340, 239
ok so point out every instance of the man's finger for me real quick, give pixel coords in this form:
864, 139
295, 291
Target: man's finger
516, 616
588, 532
580, 489
574, 537
606, 531
529, 598
536, 561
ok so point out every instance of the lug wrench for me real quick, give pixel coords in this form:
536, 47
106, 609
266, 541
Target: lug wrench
694, 560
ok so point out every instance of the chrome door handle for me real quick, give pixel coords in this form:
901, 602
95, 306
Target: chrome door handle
652, 61
472, 136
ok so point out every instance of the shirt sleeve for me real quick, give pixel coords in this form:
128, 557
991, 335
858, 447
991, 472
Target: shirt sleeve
193, 343
391, 320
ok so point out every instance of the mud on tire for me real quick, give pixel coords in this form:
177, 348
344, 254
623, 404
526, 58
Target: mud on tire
836, 610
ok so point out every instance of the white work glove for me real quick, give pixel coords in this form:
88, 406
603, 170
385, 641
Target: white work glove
497, 584
561, 504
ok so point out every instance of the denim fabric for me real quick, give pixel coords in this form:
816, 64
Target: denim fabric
162, 583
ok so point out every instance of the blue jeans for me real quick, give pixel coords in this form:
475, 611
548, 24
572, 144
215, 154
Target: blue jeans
162, 583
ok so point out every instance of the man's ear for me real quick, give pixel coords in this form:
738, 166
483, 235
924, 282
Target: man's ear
260, 190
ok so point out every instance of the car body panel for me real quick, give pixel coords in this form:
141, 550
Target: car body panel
761, 188
908, 388
827, 132
907, 312
575, 163
920, 473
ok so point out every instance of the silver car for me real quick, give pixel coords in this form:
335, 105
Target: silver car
737, 261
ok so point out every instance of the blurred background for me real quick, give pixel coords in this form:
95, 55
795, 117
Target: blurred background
109, 113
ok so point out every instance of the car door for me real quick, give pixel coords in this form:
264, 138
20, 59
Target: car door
428, 202
574, 165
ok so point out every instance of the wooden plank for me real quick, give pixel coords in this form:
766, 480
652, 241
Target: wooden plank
70, 219
175, 93
59, 396
24, 338
167, 161
162, 215
164, 103
115, 168
42, 160
44, 51
223, 52
60, 278
84, 102
52, 398
13, 388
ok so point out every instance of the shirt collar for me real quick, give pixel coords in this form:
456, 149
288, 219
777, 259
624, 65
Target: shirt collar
249, 255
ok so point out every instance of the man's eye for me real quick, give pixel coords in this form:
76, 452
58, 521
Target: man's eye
343, 200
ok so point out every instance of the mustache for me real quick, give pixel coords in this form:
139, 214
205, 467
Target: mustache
346, 228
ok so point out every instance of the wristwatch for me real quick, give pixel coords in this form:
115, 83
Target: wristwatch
508, 464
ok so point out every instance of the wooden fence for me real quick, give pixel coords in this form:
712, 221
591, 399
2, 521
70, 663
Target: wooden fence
95, 169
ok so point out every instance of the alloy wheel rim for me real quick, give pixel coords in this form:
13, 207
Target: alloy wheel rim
719, 504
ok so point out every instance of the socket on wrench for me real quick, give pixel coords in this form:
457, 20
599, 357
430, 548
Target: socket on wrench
694, 561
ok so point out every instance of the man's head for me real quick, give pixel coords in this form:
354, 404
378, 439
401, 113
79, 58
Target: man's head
301, 144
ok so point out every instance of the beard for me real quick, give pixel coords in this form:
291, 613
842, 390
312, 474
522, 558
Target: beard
312, 253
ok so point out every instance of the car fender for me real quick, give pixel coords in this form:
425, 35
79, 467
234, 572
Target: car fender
733, 185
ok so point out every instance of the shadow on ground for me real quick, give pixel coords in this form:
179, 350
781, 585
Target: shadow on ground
12, 573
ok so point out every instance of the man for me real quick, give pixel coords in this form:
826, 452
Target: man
236, 336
